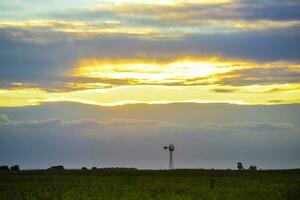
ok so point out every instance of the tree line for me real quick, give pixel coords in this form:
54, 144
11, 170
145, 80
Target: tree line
241, 167
61, 167
12, 168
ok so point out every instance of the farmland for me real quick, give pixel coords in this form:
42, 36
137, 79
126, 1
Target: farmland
150, 184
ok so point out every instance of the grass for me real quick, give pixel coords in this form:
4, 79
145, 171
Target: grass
147, 184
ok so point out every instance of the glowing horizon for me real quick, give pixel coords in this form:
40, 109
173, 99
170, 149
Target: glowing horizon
108, 82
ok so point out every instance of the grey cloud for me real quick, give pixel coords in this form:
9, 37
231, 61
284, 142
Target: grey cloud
274, 10
6, 123
273, 75
194, 13
28, 125
242, 9
221, 90
258, 127
175, 112
4, 118
282, 89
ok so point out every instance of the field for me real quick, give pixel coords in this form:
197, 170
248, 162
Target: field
147, 184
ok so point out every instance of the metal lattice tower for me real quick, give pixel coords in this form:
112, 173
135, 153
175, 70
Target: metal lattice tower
171, 148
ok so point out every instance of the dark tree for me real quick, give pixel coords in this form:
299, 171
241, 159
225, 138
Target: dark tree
240, 166
252, 168
4, 168
94, 168
15, 168
58, 167
84, 168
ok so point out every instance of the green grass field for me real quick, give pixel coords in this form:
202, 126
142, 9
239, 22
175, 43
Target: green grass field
144, 184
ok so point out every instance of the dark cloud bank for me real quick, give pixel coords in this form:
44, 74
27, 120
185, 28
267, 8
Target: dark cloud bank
206, 135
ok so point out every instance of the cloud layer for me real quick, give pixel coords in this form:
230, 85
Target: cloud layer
43, 45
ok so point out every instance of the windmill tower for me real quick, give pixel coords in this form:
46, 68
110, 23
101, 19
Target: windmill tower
171, 148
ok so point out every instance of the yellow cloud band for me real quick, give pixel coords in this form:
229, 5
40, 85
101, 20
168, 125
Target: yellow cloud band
258, 94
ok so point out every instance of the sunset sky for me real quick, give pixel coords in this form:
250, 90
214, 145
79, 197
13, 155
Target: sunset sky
151, 53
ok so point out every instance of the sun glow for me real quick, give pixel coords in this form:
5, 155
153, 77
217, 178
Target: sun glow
145, 71
108, 82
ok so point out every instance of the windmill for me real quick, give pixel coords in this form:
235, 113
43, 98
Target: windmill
171, 148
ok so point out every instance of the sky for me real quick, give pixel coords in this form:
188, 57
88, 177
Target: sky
167, 54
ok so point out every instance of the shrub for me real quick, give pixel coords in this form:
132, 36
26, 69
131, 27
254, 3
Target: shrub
252, 168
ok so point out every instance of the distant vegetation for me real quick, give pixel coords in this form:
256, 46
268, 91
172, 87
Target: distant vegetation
12, 168
119, 168
129, 183
252, 167
61, 167
241, 167
15, 168
58, 167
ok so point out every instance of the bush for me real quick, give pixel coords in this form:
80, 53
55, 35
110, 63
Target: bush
252, 168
